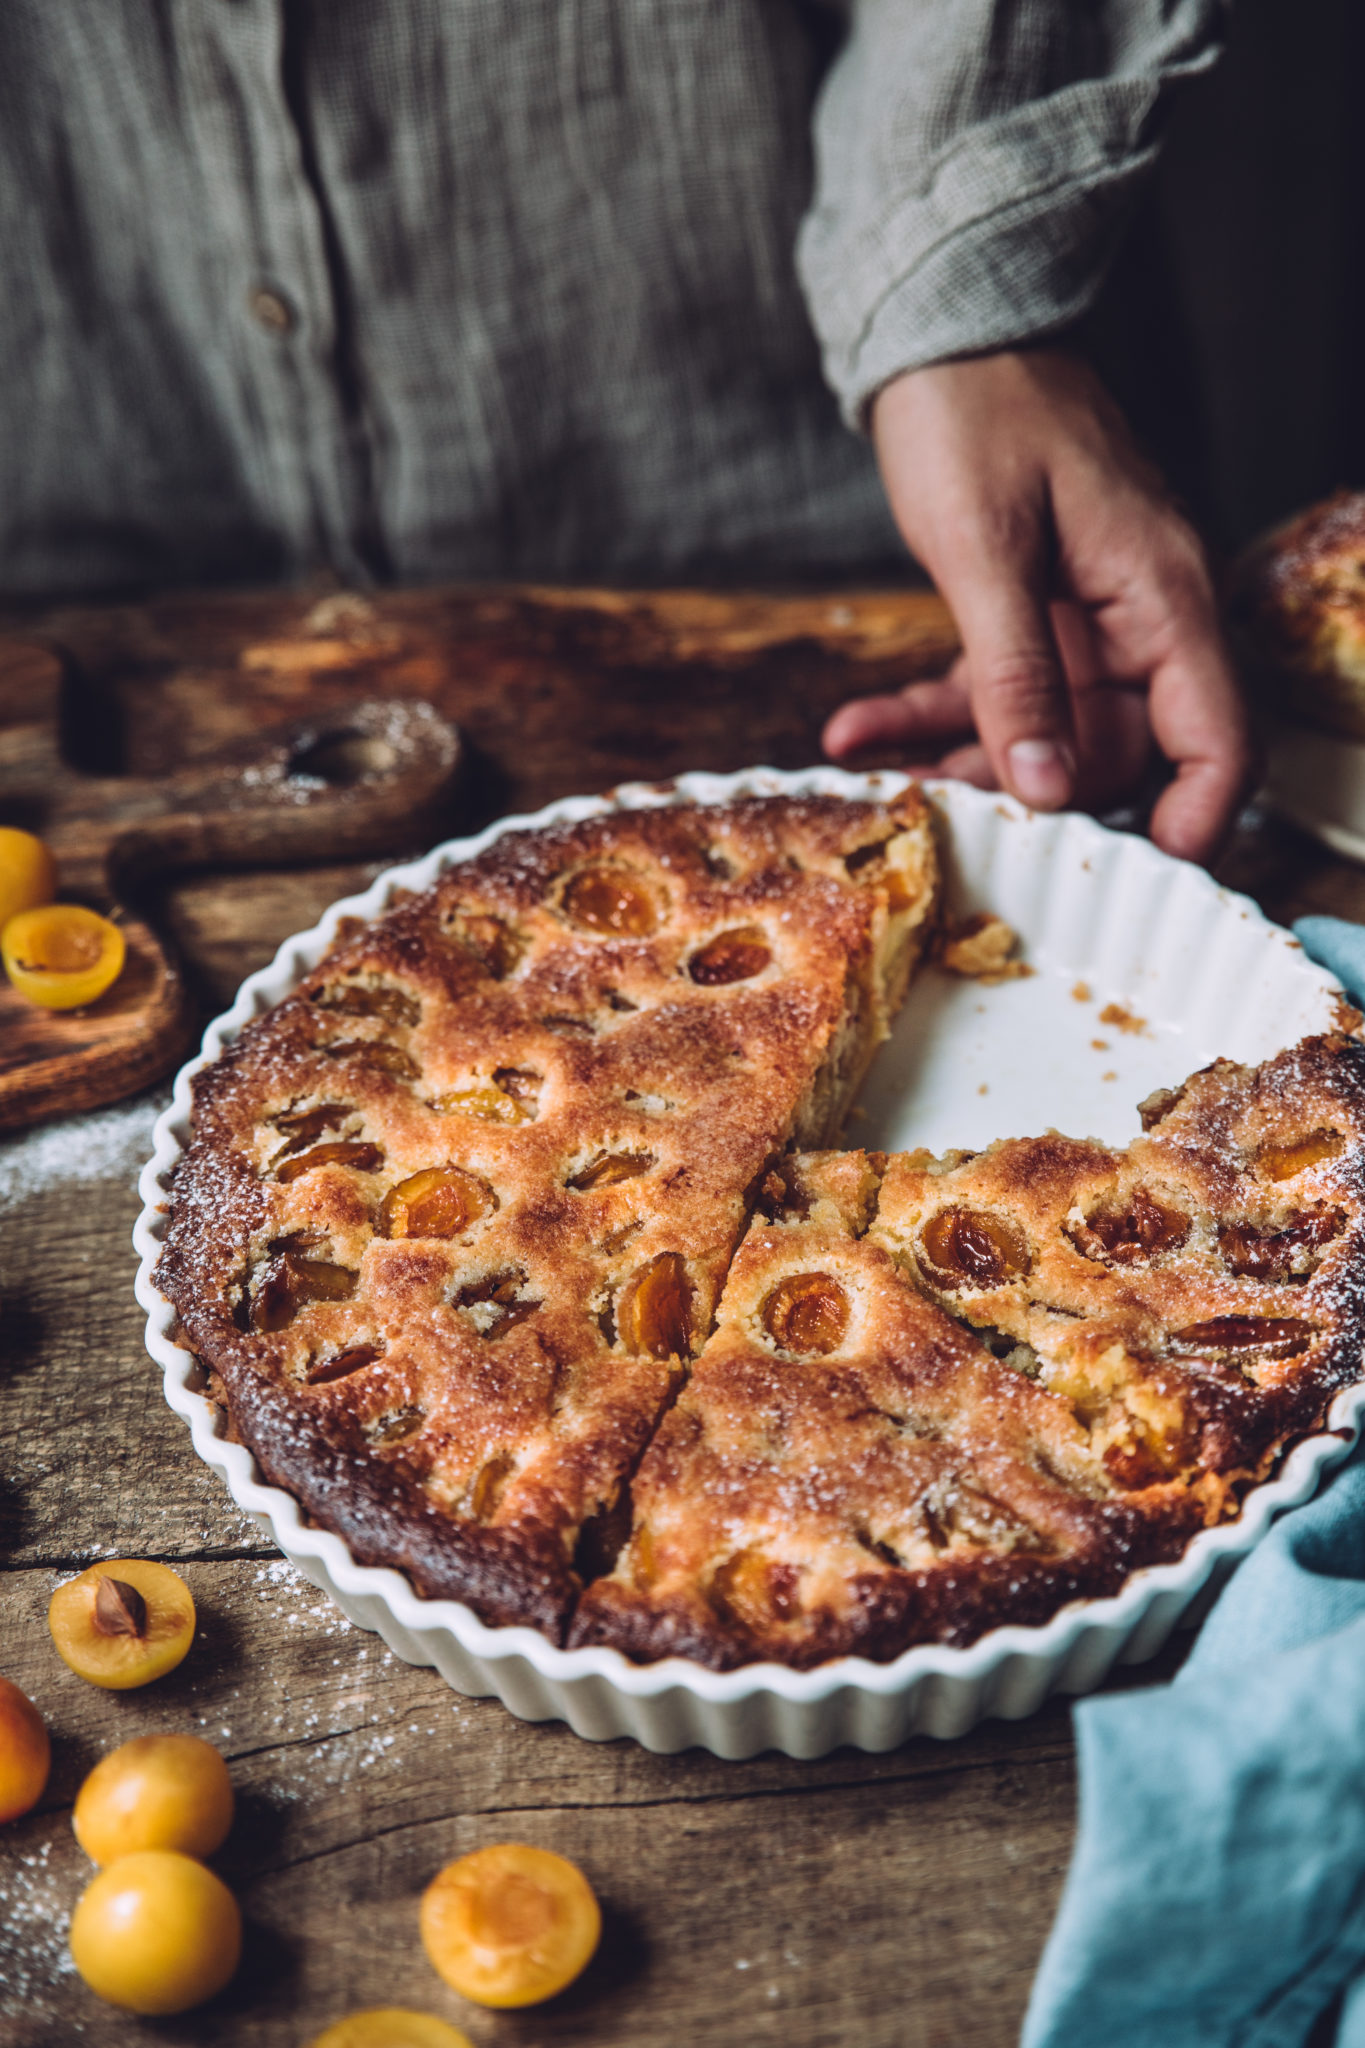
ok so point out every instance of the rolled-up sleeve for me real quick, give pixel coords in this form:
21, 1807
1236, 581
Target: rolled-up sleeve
976, 162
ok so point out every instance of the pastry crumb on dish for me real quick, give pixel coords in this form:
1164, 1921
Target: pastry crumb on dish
981, 948
1121, 1018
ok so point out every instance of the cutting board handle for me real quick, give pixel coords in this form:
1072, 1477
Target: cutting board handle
331, 788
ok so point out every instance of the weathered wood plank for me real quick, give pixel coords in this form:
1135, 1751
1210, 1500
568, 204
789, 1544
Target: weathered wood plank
559, 690
94, 1462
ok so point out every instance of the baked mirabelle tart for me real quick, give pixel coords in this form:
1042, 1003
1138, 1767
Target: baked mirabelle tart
1298, 600
509, 1246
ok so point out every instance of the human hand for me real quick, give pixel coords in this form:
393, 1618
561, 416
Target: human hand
1089, 629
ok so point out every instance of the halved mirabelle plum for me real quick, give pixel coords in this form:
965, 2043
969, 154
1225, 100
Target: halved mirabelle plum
1256, 1253
1277, 1336
155, 1792
391, 2026
974, 1246
62, 955
291, 1281
375, 1052
324, 1372
493, 942
357, 1153
732, 956
156, 1933
523, 1084
370, 999
756, 1591
609, 1169
655, 1314
1133, 1231
123, 1622
510, 1925
807, 1312
28, 873
488, 1483
440, 1202
303, 1127
1284, 1162
484, 1102
25, 1752
611, 902
495, 1303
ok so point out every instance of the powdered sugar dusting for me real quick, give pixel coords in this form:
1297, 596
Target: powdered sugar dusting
110, 1146
35, 1914
312, 1609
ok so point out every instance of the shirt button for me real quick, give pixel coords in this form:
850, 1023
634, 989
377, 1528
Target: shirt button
270, 310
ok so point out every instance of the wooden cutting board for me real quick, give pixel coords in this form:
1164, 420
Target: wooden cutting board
336, 782
259, 731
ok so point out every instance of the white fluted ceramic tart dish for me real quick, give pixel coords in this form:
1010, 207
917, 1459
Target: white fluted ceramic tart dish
1141, 971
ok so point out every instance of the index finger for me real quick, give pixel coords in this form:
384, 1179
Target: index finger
1199, 721
1017, 680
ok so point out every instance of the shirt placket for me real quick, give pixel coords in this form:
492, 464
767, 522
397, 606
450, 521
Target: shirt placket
278, 304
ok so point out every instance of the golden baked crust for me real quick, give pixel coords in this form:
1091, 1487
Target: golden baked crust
947, 1393
1299, 600
457, 1211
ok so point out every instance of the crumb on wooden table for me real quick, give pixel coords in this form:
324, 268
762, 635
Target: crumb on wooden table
980, 948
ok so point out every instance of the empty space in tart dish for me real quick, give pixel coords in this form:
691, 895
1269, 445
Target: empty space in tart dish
1142, 971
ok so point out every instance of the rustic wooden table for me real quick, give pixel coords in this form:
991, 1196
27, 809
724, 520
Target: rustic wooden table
895, 1901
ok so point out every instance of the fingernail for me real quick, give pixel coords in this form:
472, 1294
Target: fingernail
1041, 772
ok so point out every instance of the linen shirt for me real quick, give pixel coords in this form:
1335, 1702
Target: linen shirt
550, 288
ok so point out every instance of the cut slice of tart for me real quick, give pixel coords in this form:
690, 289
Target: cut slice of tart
948, 1393
457, 1213
1196, 1299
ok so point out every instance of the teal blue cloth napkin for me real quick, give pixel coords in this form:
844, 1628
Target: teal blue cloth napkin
1216, 1897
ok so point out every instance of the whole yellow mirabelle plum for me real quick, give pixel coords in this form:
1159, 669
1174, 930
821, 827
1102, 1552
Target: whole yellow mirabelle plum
510, 1925
391, 2026
28, 873
122, 1623
25, 1752
155, 1792
156, 1933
